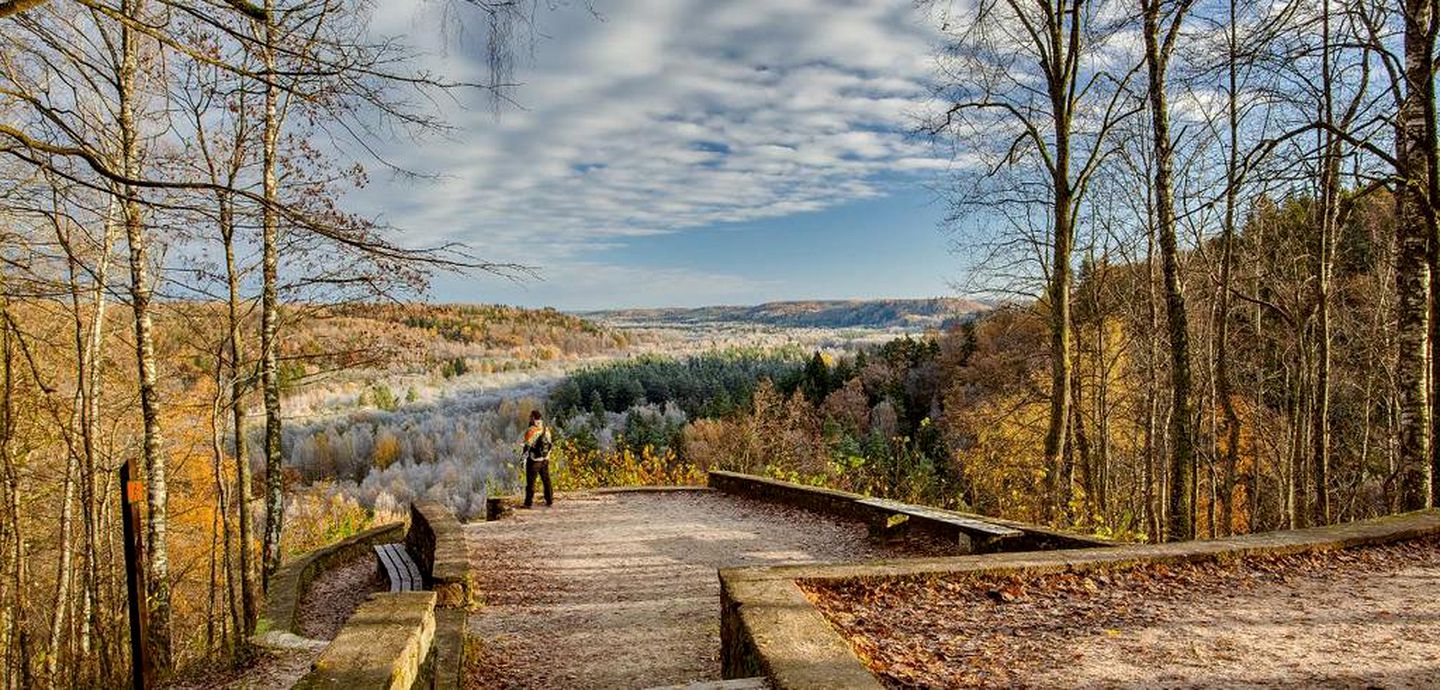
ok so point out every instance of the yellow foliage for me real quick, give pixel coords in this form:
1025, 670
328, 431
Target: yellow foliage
577, 468
387, 449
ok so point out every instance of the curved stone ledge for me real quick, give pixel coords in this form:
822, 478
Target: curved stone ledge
830, 501
278, 619
385, 644
850, 506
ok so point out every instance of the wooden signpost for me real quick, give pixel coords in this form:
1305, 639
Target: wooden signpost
132, 497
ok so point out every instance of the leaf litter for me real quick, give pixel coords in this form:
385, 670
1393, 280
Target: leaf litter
1361, 617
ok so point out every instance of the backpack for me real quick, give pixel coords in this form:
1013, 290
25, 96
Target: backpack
541, 447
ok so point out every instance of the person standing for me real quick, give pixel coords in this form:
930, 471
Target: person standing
536, 447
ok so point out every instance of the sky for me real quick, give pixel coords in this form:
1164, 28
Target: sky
682, 153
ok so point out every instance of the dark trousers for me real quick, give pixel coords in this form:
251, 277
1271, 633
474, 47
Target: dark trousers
535, 466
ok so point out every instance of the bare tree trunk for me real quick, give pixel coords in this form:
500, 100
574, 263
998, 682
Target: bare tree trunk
81, 466
1412, 270
1329, 217
18, 653
270, 313
222, 500
1102, 409
1182, 463
158, 579
1082, 442
89, 387
1223, 388
1056, 451
62, 570
1421, 29
1152, 385
243, 478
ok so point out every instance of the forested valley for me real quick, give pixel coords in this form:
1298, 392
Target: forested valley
1204, 235
958, 418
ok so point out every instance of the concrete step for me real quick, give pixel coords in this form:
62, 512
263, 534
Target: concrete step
736, 684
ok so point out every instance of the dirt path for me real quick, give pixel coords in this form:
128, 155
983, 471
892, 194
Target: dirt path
1354, 625
620, 590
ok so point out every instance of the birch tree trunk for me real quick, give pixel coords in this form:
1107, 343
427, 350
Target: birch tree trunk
270, 311
136, 236
1414, 232
1329, 216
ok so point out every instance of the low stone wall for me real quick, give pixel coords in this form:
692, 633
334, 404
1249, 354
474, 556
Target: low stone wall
436, 541
829, 501
846, 505
278, 619
769, 627
448, 655
651, 489
385, 644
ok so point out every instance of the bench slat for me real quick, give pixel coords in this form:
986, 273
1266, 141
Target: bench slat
409, 571
404, 575
967, 524
387, 560
412, 571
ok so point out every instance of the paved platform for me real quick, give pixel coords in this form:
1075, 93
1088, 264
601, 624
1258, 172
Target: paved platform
619, 590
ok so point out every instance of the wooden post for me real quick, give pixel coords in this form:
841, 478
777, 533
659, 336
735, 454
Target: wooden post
132, 497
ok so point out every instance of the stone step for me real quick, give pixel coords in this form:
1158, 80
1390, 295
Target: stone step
736, 684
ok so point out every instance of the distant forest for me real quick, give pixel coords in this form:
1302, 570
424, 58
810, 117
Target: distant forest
908, 314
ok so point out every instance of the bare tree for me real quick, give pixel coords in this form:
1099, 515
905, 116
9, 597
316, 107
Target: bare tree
1033, 71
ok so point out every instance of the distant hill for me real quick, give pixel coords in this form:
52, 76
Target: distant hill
877, 313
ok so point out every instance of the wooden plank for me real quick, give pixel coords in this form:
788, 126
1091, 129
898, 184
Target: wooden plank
400, 568
965, 523
413, 568
400, 580
382, 551
408, 575
409, 569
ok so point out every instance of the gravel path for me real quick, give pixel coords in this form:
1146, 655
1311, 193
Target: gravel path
620, 590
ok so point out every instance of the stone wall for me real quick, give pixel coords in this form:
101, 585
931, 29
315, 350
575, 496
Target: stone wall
436, 541
277, 623
385, 644
847, 506
840, 504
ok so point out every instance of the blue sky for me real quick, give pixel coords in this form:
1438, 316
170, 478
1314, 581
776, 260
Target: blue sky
685, 152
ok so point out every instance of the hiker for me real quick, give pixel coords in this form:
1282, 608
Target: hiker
536, 447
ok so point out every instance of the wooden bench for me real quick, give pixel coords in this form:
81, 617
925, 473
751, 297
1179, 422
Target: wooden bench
399, 569
977, 535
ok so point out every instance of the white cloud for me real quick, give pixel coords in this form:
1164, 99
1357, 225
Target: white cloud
668, 115
582, 285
